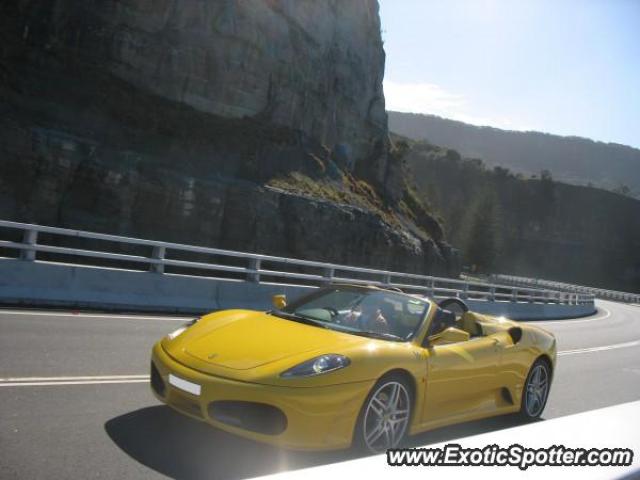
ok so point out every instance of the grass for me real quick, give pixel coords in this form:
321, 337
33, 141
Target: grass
351, 191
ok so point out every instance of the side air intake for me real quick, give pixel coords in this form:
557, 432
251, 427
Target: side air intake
516, 334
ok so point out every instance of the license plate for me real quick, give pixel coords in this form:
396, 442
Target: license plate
182, 384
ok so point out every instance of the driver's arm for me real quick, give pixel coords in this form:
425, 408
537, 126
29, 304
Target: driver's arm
380, 323
351, 318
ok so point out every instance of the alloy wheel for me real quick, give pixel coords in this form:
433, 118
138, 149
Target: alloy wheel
386, 417
537, 390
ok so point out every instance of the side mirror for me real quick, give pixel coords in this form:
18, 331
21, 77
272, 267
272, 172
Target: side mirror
449, 335
279, 301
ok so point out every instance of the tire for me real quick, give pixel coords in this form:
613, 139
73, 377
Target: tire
536, 390
378, 427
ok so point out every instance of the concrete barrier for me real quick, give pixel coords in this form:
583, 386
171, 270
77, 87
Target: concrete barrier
531, 311
71, 286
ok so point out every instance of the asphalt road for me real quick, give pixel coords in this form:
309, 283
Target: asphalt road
74, 399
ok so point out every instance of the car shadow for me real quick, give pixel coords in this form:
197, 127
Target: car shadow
179, 447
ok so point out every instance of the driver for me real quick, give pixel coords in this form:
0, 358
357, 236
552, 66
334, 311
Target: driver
367, 317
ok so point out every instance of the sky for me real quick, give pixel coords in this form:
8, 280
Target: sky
568, 67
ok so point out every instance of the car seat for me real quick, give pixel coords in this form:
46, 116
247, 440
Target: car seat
468, 323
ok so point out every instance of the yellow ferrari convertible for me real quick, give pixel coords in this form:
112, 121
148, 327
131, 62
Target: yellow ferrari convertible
350, 365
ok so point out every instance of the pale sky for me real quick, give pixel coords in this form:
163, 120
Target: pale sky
569, 67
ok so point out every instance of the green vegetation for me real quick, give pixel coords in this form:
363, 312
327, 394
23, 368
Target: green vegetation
573, 160
348, 190
482, 243
533, 226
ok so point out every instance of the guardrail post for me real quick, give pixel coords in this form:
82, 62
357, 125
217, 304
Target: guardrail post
328, 274
30, 237
386, 279
254, 265
158, 254
465, 292
492, 293
514, 295
432, 287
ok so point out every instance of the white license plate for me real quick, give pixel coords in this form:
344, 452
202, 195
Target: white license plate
182, 384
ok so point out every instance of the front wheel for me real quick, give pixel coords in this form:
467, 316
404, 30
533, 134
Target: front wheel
384, 419
536, 390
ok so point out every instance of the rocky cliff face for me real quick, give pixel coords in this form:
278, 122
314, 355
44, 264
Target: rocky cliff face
312, 66
170, 119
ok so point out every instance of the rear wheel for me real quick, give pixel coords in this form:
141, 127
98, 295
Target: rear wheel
384, 419
536, 390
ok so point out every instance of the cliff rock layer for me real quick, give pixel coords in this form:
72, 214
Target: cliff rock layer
172, 119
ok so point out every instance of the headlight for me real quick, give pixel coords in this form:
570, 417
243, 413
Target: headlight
180, 330
317, 366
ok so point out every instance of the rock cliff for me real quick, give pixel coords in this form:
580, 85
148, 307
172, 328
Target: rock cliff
185, 120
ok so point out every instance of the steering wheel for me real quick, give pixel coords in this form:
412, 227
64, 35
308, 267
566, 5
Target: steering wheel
454, 305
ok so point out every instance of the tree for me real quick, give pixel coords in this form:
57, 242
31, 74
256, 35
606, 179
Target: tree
622, 189
483, 240
543, 201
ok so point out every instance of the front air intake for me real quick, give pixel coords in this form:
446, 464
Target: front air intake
255, 417
156, 381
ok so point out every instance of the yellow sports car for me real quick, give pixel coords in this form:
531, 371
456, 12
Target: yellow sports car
350, 365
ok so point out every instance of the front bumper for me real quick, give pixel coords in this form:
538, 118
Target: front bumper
317, 418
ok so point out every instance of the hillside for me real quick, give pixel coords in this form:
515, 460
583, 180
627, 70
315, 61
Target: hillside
531, 227
256, 126
575, 160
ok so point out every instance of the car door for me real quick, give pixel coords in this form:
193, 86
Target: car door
461, 378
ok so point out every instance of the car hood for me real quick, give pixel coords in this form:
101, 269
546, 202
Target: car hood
229, 342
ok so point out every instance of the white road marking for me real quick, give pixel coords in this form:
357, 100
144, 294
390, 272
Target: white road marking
96, 315
106, 379
635, 343
143, 378
629, 307
79, 380
82, 382
578, 320
62, 379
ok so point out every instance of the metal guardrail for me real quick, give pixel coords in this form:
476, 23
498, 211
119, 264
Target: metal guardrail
567, 287
159, 260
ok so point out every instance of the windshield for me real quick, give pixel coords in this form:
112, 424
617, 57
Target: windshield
360, 311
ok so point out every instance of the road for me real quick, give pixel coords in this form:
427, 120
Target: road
74, 399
